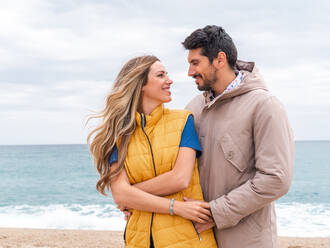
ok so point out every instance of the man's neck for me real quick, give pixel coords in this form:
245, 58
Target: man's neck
226, 78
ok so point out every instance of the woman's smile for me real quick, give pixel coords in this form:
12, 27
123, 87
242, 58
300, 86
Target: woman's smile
167, 89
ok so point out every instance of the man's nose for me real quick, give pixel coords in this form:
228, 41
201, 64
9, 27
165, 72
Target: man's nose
191, 71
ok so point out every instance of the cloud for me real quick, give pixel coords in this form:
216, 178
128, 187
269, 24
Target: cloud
58, 59
304, 83
67, 96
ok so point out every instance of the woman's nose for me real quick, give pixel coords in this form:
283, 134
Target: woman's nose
169, 81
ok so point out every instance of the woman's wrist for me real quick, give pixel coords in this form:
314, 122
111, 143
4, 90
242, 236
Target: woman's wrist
171, 206
176, 207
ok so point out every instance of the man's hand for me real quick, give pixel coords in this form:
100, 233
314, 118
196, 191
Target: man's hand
125, 211
127, 214
201, 227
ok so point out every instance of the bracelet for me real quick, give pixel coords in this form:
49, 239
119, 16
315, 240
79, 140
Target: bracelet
171, 206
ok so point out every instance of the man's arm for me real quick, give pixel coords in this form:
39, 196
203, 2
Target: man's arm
274, 158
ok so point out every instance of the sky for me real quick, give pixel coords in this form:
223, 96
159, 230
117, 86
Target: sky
58, 58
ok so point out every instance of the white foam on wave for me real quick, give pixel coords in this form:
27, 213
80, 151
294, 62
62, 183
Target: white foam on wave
294, 219
74, 216
303, 220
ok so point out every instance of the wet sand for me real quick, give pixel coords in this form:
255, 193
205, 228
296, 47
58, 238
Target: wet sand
49, 238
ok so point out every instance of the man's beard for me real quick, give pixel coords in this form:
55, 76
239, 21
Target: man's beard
207, 86
208, 82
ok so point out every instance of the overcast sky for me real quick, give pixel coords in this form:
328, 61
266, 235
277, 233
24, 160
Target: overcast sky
58, 58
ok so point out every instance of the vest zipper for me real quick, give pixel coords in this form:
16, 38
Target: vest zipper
125, 229
198, 234
143, 123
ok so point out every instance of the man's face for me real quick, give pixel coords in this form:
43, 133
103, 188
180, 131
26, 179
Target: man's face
201, 69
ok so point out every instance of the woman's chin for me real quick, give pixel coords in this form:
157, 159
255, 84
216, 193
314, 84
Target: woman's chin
168, 99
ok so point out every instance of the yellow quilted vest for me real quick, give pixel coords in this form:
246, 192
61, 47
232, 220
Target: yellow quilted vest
152, 150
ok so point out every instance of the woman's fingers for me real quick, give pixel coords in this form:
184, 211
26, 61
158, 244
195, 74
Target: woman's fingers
205, 205
204, 217
194, 210
200, 220
204, 208
206, 212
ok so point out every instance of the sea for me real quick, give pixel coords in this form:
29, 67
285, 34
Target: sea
53, 186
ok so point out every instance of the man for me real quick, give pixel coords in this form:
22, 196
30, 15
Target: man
247, 143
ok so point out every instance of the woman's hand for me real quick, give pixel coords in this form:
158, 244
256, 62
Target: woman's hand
194, 210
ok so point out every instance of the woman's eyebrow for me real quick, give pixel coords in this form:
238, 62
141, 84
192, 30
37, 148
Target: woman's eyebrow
162, 72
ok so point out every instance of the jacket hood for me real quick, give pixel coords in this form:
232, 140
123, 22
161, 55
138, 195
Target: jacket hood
251, 80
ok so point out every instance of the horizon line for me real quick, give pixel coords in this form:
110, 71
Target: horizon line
63, 144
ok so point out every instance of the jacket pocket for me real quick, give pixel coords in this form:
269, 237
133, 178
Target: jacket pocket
232, 153
252, 224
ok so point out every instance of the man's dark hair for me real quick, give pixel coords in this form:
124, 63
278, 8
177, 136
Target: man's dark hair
212, 39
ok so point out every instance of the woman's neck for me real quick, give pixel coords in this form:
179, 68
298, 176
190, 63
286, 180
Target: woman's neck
148, 107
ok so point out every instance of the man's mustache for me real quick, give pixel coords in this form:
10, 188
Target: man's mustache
197, 75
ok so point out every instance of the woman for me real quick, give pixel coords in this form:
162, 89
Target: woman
151, 160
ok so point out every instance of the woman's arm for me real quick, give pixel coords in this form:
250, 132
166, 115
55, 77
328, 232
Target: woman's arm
127, 196
174, 180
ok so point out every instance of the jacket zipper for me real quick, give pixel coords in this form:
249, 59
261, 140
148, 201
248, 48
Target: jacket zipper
143, 123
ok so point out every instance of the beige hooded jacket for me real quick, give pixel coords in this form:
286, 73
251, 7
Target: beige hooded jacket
247, 160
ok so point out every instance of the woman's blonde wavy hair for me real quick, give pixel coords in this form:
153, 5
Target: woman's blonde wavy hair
118, 118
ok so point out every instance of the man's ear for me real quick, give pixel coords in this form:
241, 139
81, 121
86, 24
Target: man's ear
220, 61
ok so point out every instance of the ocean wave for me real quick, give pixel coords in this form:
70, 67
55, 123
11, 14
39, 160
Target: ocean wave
303, 220
294, 219
67, 216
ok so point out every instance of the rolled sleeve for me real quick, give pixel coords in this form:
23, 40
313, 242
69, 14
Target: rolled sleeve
189, 137
114, 155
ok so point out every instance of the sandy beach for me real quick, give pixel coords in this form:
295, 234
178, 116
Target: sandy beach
48, 238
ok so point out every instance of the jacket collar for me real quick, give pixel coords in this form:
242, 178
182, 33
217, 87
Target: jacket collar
152, 119
251, 80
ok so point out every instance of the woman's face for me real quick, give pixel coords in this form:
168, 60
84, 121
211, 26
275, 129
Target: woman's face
157, 89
